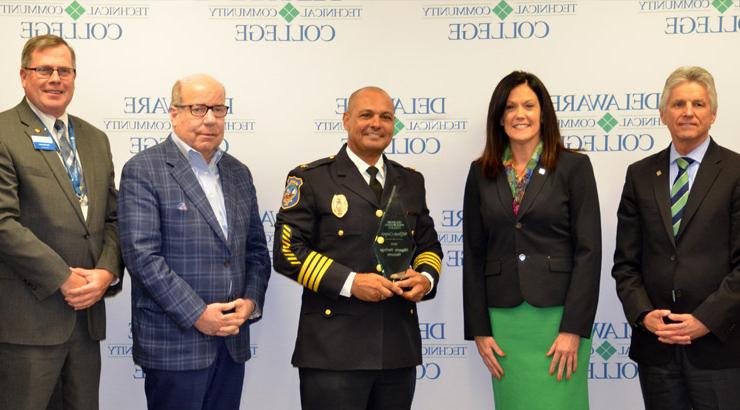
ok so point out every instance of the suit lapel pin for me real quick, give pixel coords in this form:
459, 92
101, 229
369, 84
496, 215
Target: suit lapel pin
541, 171
182, 206
658, 173
37, 131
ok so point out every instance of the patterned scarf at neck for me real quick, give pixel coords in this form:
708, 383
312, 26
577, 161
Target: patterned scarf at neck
518, 183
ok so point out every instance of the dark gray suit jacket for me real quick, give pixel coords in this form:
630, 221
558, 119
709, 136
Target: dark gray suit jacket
701, 268
43, 231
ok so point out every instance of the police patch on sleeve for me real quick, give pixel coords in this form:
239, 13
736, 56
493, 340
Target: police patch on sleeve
292, 193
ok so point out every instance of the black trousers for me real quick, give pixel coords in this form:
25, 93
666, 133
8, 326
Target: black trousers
390, 389
679, 385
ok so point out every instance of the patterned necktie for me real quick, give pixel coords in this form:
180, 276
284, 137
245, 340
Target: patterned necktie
680, 192
69, 158
374, 183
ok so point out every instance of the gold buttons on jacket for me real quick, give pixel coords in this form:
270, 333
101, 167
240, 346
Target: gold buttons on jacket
379, 213
340, 232
380, 240
378, 268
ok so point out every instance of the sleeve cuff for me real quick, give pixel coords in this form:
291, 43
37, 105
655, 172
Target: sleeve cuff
431, 280
640, 318
347, 287
256, 313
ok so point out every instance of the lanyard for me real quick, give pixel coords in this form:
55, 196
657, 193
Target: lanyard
74, 172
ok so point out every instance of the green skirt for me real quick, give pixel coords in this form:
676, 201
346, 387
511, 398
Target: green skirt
525, 334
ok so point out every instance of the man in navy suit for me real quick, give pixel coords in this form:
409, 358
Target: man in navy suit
195, 247
677, 259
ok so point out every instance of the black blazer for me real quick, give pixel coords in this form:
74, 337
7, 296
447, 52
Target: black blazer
319, 246
548, 255
702, 268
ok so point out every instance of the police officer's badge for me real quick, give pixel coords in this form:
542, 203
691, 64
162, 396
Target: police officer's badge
292, 193
339, 205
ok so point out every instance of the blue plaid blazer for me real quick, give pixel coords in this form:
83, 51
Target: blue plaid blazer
179, 259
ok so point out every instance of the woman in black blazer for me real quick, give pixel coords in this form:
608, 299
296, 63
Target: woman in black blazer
532, 240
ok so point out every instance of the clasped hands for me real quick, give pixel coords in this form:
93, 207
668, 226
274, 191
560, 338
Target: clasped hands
371, 287
84, 287
225, 319
682, 331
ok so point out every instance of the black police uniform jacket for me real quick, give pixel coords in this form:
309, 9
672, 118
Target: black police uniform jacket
318, 247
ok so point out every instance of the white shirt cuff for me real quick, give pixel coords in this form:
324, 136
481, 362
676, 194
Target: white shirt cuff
347, 288
431, 280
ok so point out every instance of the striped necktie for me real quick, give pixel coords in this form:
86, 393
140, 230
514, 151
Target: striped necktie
70, 159
680, 192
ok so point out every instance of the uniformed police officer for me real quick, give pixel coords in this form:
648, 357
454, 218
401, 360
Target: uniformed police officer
358, 338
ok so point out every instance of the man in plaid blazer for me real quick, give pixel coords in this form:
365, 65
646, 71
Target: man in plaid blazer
193, 241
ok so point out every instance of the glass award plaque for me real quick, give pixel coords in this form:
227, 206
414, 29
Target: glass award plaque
394, 246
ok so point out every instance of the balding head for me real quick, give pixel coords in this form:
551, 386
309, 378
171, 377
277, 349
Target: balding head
373, 89
369, 123
194, 80
195, 101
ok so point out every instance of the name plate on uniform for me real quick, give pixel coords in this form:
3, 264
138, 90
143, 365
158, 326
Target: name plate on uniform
394, 245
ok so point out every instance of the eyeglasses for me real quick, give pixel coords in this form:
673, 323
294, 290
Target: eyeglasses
45, 71
200, 110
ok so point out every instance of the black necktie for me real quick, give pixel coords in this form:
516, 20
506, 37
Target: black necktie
374, 183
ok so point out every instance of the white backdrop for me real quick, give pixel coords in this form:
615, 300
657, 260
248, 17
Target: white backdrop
288, 75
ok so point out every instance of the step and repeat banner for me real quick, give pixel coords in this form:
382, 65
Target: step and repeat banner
288, 68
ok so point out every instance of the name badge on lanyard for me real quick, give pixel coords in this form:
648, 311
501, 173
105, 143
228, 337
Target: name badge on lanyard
43, 142
47, 143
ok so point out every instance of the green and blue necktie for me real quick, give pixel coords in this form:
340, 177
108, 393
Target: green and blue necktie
680, 192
